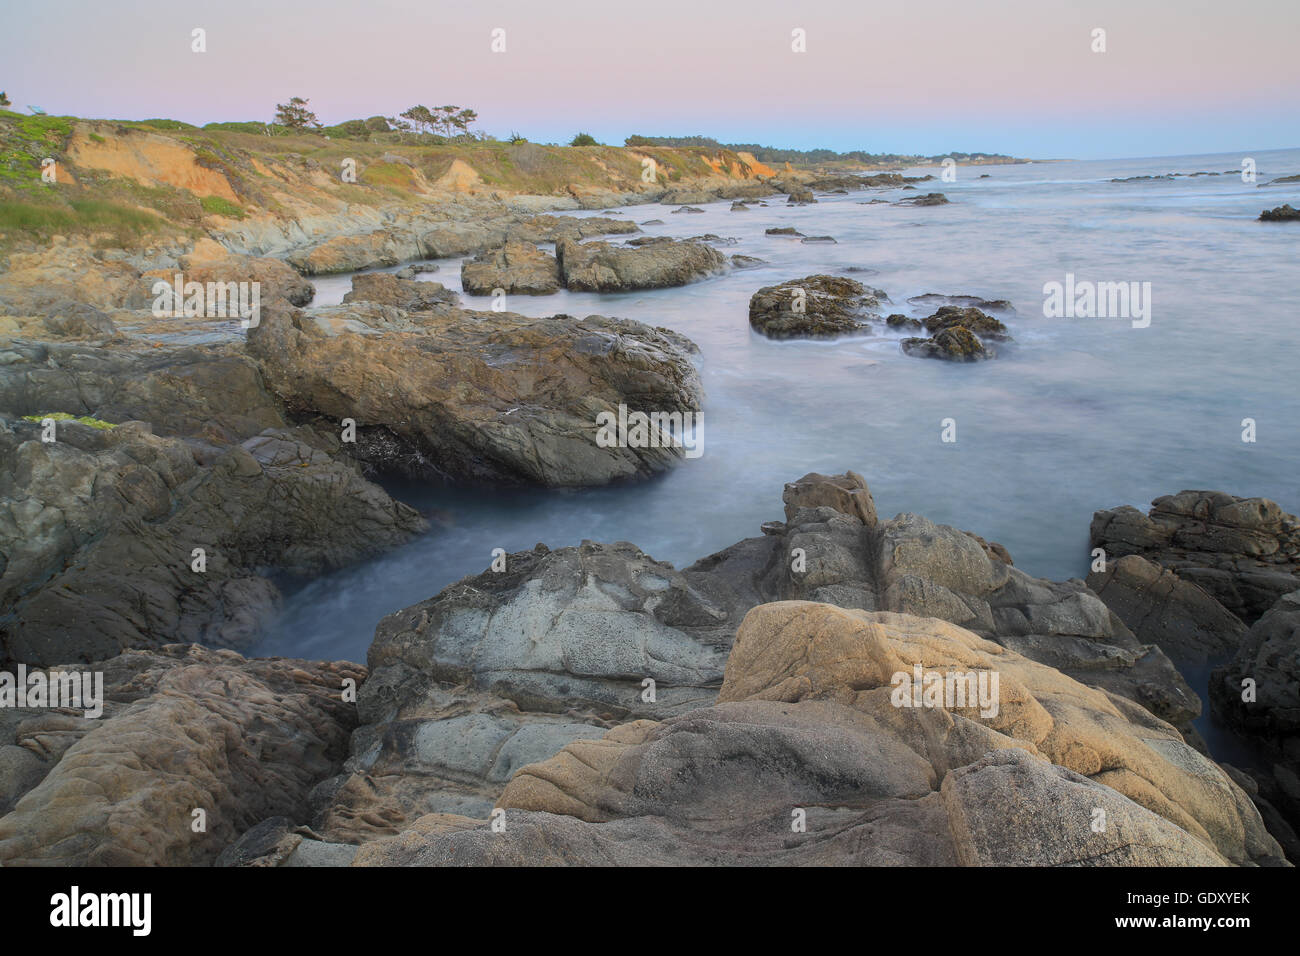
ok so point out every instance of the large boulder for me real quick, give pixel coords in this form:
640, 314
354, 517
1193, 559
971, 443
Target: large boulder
812, 756
517, 268
1245, 552
484, 395
602, 267
182, 729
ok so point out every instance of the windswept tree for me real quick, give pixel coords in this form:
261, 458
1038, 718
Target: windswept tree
295, 115
421, 118
4, 98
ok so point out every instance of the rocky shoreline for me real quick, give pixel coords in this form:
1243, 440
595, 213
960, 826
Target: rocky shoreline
164, 475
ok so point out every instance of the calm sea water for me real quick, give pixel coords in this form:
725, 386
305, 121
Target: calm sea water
1075, 416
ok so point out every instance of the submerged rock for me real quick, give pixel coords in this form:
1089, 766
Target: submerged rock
1280, 214
955, 343
929, 199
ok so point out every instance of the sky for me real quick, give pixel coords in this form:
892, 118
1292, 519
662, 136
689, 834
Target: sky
1007, 76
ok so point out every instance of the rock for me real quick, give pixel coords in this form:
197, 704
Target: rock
955, 343
183, 729
1268, 658
385, 288
100, 530
739, 206
601, 267
1162, 609
935, 299
806, 721
799, 195
504, 668
900, 321
1280, 214
847, 493
818, 306
517, 268
929, 199
78, 320
822, 239
687, 209
557, 647
973, 320
1245, 552
209, 261
406, 377
411, 271
747, 262
783, 231
214, 394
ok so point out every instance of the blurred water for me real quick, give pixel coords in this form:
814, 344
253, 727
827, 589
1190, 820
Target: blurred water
1075, 416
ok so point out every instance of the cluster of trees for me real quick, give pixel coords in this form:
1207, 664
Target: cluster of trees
450, 122
772, 155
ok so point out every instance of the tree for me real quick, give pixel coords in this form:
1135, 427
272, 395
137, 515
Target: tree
463, 119
295, 115
4, 100
584, 139
421, 117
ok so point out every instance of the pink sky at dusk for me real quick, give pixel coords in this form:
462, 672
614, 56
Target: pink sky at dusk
1015, 76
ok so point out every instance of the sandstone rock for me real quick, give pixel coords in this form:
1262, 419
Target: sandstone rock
183, 729
601, 267
413, 296
806, 722
517, 267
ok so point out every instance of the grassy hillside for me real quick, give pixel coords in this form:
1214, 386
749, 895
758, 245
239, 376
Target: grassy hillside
126, 181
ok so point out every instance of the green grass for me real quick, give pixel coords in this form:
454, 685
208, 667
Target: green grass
65, 417
80, 215
222, 207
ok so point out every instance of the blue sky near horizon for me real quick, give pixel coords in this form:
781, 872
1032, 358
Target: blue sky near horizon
1178, 77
